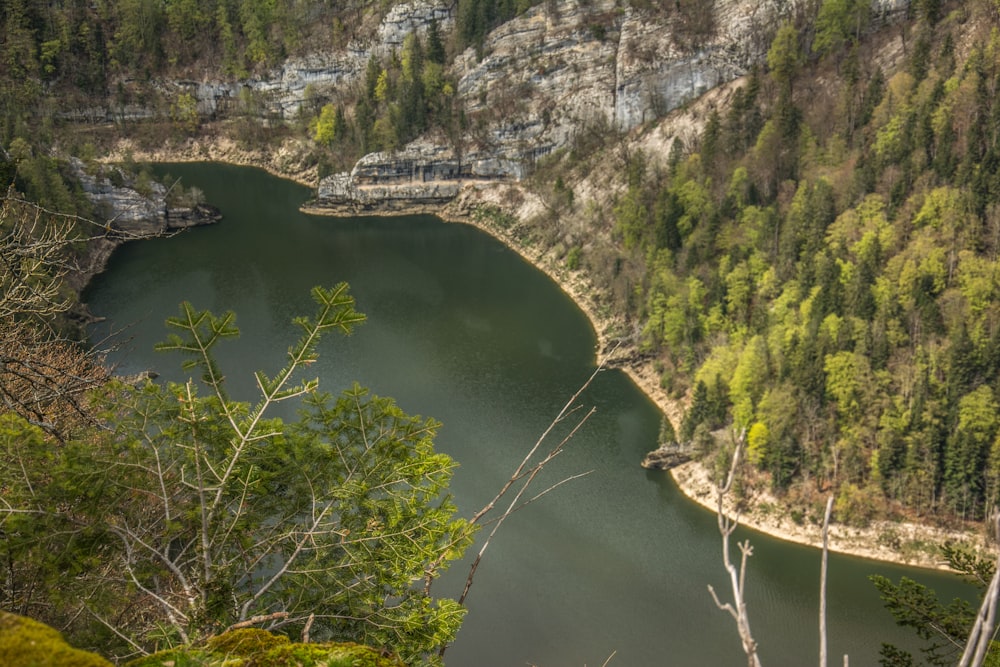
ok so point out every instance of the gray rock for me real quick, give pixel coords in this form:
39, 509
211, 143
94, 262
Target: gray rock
666, 457
129, 214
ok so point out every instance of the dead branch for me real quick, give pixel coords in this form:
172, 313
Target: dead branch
737, 576
525, 473
822, 583
982, 630
257, 620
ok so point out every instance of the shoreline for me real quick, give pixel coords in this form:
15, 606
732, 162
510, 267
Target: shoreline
901, 543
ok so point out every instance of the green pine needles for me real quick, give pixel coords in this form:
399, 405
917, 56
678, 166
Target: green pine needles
189, 514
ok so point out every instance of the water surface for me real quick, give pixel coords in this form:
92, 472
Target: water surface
462, 329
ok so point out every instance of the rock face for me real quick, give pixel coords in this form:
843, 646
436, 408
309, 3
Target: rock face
539, 80
559, 68
130, 214
283, 91
666, 457
566, 66
138, 214
421, 175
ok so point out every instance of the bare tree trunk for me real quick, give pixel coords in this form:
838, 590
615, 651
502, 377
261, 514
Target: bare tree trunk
822, 585
737, 577
982, 631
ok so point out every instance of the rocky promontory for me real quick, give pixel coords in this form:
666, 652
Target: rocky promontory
131, 211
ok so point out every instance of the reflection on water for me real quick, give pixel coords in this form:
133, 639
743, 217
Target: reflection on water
461, 329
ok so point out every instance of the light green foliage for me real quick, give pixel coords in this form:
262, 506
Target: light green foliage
325, 128
839, 21
632, 218
854, 506
748, 381
758, 439
184, 113
382, 87
784, 58
853, 238
214, 511
847, 382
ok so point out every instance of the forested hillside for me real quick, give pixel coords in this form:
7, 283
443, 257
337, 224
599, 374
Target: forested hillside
821, 268
65, 62
816, 266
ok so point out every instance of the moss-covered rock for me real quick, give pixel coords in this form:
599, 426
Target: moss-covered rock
324, 655
245, 643
259, 648
28, 643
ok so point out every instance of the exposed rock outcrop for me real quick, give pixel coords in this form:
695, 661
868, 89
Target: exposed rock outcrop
130, 214
535, 83
565, 66
666, 457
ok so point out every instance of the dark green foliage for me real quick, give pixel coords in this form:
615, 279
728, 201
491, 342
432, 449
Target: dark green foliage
943, 627
214, 512
435, 47
832, 236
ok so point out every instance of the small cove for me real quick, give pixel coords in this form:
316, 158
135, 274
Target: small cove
462, 329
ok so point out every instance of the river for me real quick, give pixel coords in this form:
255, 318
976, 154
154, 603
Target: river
462, 329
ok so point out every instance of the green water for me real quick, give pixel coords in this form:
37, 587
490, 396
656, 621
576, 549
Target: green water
461, 329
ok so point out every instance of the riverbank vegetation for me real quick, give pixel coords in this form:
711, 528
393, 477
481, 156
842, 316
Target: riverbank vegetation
138, 516
820, 267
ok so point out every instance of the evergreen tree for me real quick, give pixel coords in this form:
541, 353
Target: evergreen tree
188, 514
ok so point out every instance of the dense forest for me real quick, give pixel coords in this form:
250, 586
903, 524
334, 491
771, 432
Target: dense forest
137, 516
820, 269
63, 60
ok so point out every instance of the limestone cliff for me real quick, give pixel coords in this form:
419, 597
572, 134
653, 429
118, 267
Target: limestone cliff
555, 71
130, 214
535, 84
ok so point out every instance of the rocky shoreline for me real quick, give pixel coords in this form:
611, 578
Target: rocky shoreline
130, 215
898, 542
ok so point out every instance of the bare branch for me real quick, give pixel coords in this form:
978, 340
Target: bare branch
737, 577
116, 631
257, 620
822, 583
525, 473
982, 630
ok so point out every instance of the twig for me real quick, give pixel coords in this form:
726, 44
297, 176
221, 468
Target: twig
822, 583
257, 620
737, 577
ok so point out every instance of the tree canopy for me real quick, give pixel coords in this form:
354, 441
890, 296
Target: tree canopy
187, 514
822, 267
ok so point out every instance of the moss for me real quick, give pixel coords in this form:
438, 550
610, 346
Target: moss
28, 643
324, 655
246, 642
174, 657
259, 648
